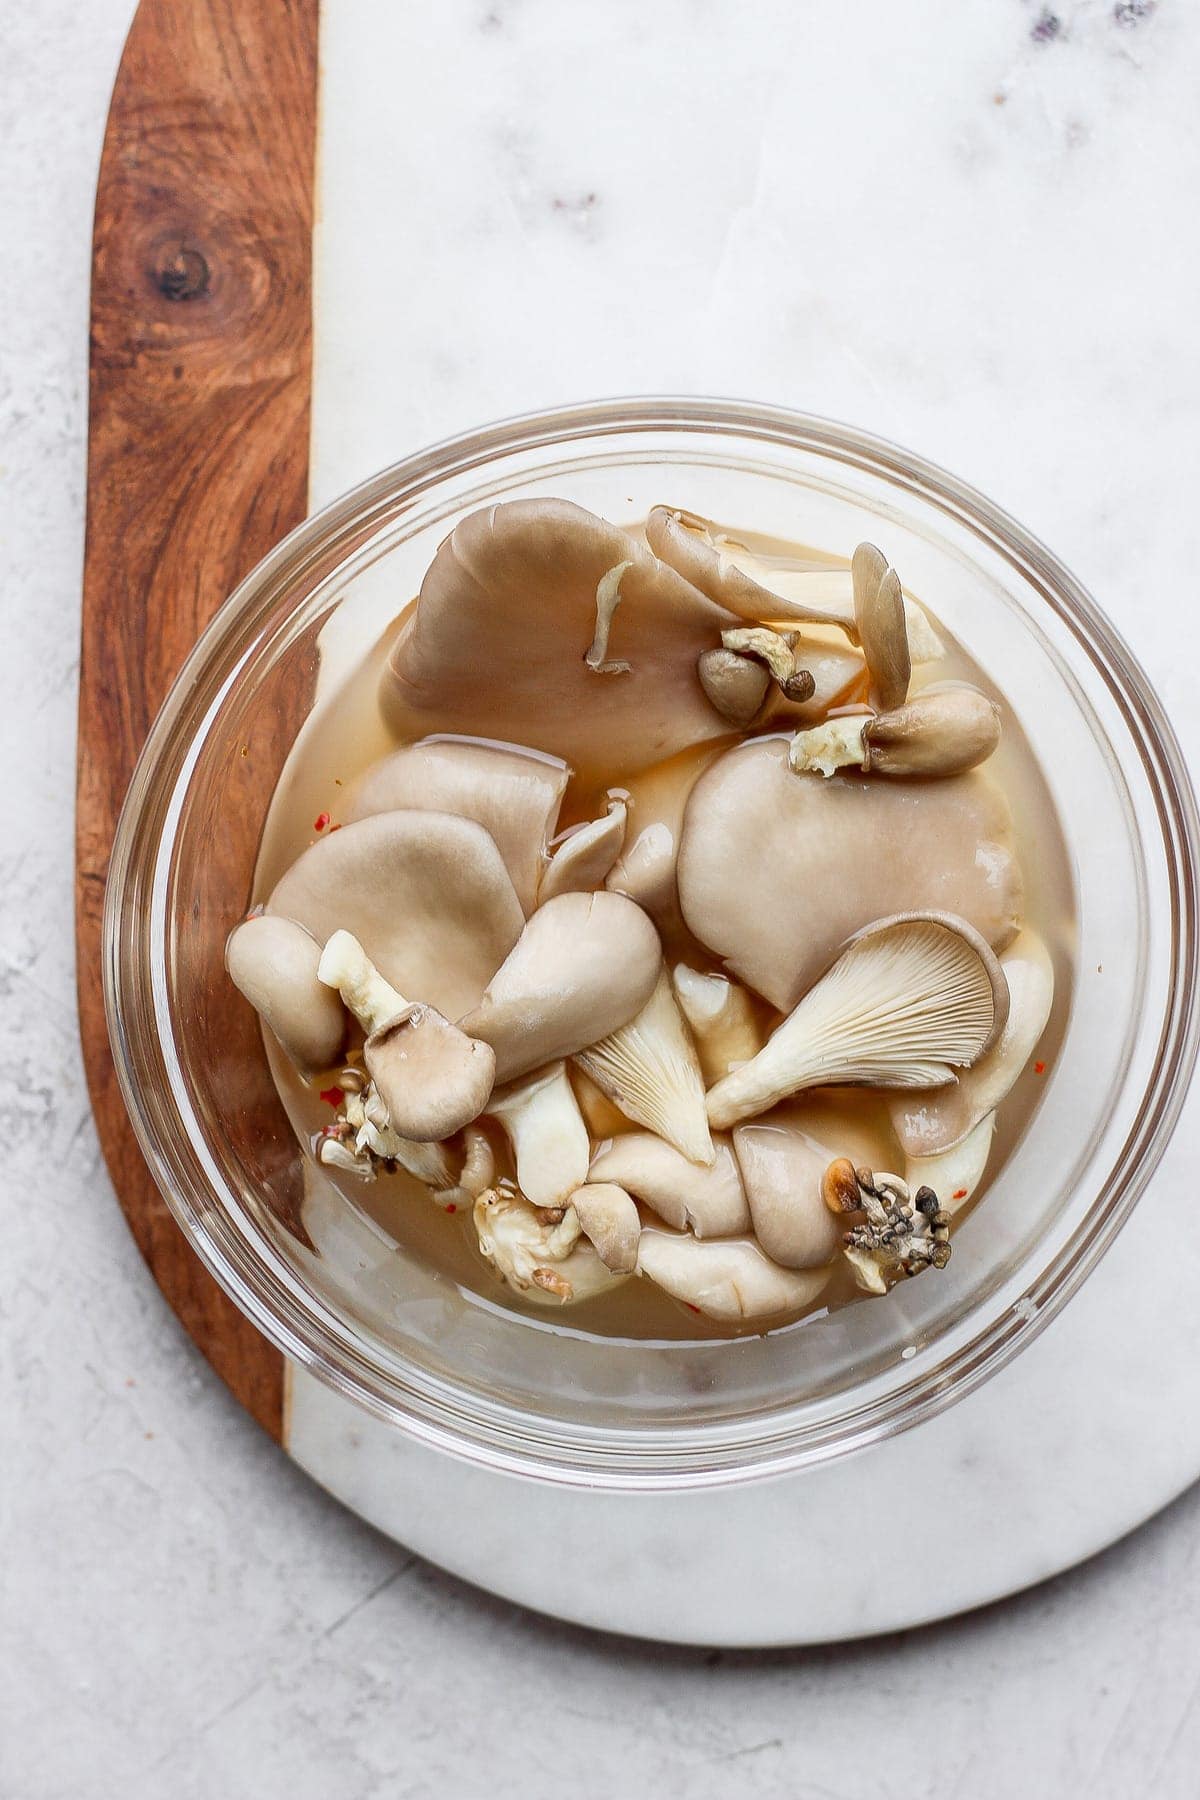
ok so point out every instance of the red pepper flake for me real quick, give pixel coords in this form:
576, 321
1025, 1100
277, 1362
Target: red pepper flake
1039, 1068
959, 1194
332, 1096
321, 822
334, 828
453, 1207
690, 1307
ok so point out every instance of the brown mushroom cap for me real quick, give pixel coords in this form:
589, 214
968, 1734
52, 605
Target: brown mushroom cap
432, 1078
427, 896
506, 615
584, 965
513, 793
610, 1221
824, 858
273, 962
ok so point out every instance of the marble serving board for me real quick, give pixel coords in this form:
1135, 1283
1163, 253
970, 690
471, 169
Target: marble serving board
955, 226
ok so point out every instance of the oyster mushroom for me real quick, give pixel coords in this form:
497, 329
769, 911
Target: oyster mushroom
722, 1020
899, 1233
936, 1122
542, 1121
732, 576
943, 731
509, 610
954, 1174
707, 1200
432, 1078
426, 895
908, 1001
824, 858
477, 1172
610, 1222
547, 1262
513, 793
736, 684
645, 869
780, 655
783, 1160
584, 965
584, 855
273, 962
882, 630
728, 1278
650, 1069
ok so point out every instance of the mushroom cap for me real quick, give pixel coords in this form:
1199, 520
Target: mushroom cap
432, 1078
273, 962
777, 870
909, 999
506, 615
941, 731
427, 896
584, 965
708, 1200
882, 630
582, 858
954, 1174
611, 1222
726, 1278
513, 793
929, 1124
783, 1157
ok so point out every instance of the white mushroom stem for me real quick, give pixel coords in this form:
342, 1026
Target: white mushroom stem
545, 1261
943, 731
611, 1222
583, 857
542, 1121
608, 598
709, 1201
722, 1020
955, 1174
477, 1173
726, 1279
345, 965
772, 649
650, 1069
906, 1003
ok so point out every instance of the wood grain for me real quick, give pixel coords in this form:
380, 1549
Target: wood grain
200, 386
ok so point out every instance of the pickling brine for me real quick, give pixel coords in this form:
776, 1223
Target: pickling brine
661, 927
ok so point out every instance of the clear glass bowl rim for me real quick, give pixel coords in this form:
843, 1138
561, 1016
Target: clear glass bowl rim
433, 1412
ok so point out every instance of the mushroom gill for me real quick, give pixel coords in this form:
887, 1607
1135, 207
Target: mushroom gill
649, 1068
512, 792
908, 1001
936, 1122
775, 872
507, 614
426, 895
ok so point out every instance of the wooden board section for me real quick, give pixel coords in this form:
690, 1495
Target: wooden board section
201, 356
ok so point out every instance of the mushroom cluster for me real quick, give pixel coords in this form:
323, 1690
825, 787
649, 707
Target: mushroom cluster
660, 991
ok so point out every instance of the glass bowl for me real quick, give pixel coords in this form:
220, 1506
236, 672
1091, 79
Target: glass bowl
537, 1397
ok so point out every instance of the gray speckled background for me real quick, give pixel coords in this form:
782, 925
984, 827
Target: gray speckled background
181, 1612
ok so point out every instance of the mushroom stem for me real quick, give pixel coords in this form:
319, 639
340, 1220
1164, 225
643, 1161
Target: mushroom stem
777, 653
542, 1121
944, 731
608, 598
345, 965
722, 1020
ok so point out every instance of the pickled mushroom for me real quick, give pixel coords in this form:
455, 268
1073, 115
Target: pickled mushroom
775, 872
273, 962
783, 1157
705, 1199
512, 792
506, 616
584, 855
547, 1261
725, 1278
649, 1068
426, 895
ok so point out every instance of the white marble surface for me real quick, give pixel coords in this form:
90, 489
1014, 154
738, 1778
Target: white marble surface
1010, 288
